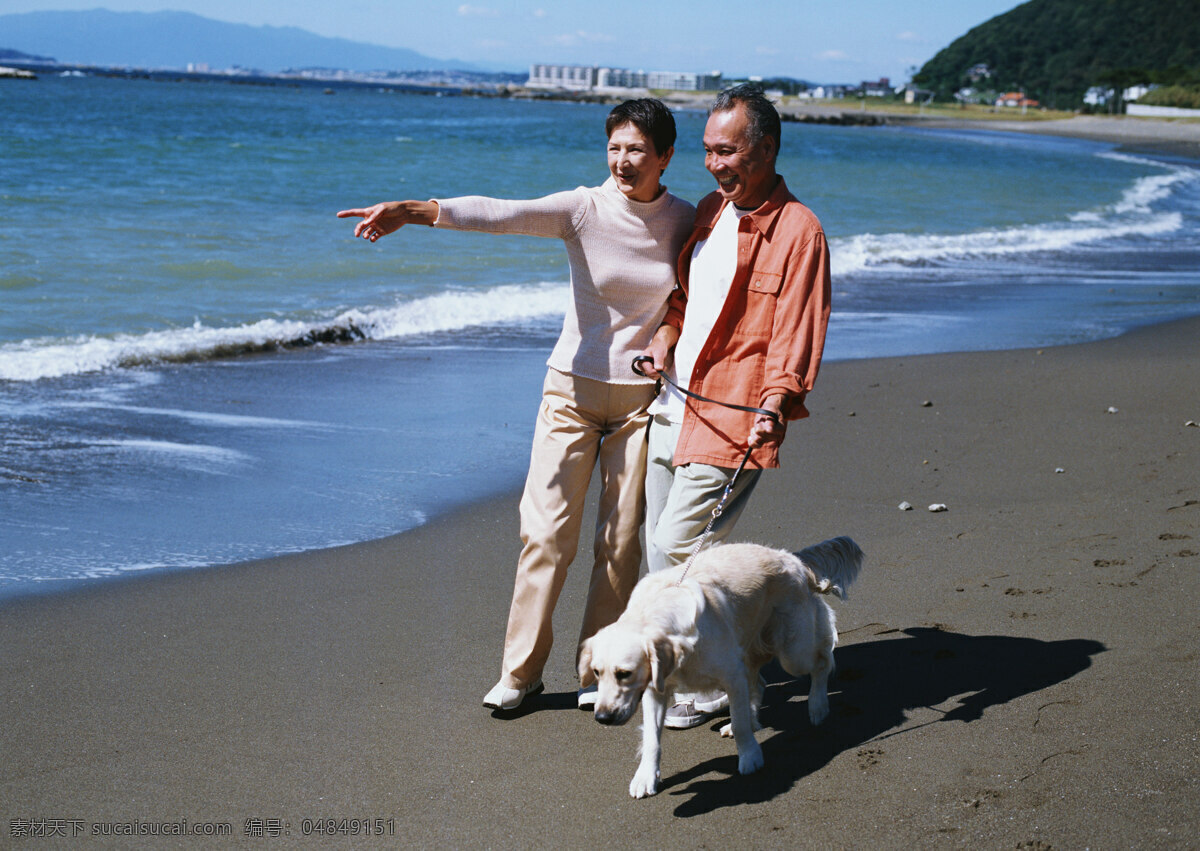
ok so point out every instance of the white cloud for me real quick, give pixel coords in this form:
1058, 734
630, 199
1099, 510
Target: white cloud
767, 51
466, 10
833, 56
580, 37
539, 13
908, 35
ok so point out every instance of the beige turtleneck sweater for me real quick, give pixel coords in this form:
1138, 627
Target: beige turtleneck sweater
622, 256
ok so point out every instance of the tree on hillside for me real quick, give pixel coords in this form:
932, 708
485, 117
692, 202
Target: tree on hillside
1054, 50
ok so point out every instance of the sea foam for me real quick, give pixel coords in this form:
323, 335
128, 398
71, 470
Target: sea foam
898, 250
30, 360
1132, 215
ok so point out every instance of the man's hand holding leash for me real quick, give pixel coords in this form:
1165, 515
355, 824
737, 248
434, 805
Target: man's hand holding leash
769, 429
769, 425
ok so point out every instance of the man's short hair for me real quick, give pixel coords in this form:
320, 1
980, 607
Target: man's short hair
764, 118
648, 115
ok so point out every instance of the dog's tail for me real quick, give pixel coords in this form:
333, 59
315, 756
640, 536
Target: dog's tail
832, 565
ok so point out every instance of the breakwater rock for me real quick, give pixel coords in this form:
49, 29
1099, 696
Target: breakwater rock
16, 74
845, 119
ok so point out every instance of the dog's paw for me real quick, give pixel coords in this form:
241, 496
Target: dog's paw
750, 759
644, 783
726, 730
818, 708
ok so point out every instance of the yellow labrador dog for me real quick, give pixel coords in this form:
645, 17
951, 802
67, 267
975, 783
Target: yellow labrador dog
739, 606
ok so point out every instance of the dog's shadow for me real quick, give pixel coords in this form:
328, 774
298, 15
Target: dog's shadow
876, 683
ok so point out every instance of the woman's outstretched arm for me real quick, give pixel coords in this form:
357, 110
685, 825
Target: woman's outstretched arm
389, 216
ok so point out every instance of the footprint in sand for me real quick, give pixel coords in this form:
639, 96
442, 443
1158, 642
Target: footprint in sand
980, 798
868, 757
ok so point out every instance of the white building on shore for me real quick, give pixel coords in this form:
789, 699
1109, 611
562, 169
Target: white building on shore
586, 78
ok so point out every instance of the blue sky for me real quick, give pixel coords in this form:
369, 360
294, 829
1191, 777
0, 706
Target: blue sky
832, 41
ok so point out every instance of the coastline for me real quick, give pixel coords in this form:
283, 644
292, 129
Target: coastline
998, 681
243, 476
1158, 136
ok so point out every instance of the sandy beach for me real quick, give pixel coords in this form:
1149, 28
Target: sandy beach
1016, 671
1164, 137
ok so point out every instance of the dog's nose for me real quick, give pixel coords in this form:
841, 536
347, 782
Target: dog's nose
604, 716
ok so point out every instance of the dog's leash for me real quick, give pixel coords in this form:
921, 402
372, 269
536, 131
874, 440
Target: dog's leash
640, 359
720, 508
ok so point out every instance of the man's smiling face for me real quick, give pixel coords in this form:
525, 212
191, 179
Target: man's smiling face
745, 172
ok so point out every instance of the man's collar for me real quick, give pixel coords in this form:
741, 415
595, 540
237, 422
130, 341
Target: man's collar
761, 218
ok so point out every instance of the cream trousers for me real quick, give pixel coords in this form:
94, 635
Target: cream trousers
680, 500
582, 423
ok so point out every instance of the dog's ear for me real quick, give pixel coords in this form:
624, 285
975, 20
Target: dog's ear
586, 678
664, 658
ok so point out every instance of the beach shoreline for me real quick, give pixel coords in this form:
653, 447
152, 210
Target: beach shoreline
1016, 669
170, 393
1156, 136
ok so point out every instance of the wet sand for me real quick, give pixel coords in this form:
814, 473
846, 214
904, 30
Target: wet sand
1019, 670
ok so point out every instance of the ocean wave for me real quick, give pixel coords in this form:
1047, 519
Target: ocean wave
202, 417
198, 452
31, 360
1132, 215
899, 250
1137, 213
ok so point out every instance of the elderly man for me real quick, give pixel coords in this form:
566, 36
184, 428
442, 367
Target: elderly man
745, 325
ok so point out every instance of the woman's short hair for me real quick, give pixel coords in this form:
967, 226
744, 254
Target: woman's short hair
648, 115
764, 119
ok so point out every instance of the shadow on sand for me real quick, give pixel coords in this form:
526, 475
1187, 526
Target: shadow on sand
876, 683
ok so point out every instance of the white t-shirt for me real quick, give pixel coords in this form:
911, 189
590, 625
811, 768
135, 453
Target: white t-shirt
714, 263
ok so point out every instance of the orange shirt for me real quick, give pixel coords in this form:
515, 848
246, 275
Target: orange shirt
770, 334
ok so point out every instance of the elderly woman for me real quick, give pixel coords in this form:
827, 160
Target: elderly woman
622, 240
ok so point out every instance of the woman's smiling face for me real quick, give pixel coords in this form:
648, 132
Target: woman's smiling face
635, 164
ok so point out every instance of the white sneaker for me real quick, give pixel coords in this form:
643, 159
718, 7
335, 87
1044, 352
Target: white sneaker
587, 698
502, 697
712, 703
684, 715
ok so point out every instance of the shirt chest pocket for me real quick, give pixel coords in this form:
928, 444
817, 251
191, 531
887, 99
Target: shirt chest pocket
762, 294
765, 283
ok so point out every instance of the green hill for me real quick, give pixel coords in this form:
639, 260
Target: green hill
1054, 50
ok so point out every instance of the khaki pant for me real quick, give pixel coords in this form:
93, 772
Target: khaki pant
679, 504
680, 500
581, 423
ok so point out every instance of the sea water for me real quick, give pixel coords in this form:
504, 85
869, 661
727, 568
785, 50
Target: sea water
199, 364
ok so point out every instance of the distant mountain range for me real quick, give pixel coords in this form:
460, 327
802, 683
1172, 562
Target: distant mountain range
175, 39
